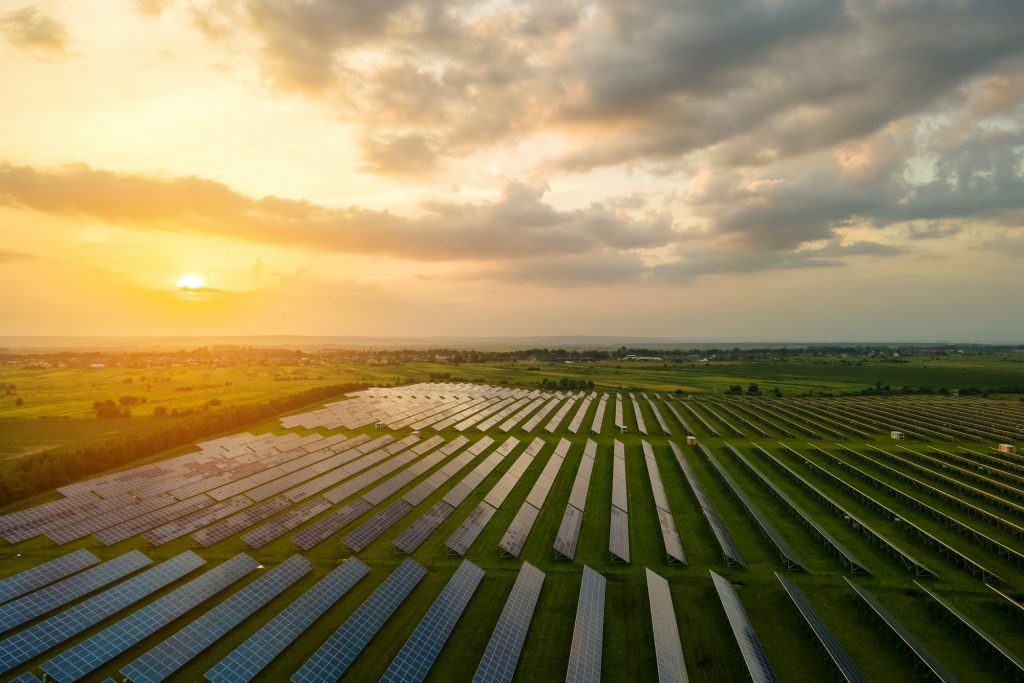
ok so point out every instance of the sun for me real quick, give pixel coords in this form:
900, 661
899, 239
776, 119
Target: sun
191, 281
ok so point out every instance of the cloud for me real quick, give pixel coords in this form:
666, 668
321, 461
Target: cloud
29, 29
13, 256
518, 224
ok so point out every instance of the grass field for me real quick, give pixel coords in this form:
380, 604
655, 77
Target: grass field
710, 651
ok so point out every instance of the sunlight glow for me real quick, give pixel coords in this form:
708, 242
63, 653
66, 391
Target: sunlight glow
191, 281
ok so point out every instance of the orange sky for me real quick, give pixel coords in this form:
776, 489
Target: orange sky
777, 170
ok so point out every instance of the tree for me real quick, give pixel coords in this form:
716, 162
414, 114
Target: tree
753, 389
19, 401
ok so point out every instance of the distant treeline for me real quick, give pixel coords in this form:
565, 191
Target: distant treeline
26, 476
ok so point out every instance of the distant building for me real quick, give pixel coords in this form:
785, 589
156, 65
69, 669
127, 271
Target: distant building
897, 435
97, 365
1008, 448
691, 441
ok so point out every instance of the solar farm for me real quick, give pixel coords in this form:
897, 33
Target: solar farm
463, 531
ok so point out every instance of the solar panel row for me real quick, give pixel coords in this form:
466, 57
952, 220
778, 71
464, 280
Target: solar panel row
371, 529
230, 526
640, 424
282, 524
44, 635
732, 554
847, 668
668, 651
602, 406
572, 520
132, 527
417, 656
618, 532
161, 661
849, 560
786, 553
758, 666
247, 660
196, 520
588, 631
55, 595
342, 648
85, 657
47, 572
669, 532
657, 416
501, 655
519, 530
320, 530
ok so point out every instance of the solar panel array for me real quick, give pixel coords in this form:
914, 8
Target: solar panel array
55, 595
602, 406
758, 666
85, 657
160, 662
47, 634
323, 528
519, 530
283, 523
560, 414
620, 422
342, 648
668, 651
572, 520
657, 416
47, 572
1011, 661
417, 656
732, 554
789, 556
588, 631
501, 656
618, 535
577, 418
247, 660
669, 532
912, 644
227, 528
640, 424
463, 538
846, 666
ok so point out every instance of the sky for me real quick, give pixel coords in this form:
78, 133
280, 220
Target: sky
748, 170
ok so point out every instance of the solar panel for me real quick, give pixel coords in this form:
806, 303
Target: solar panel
42, 574
189, 523
602, 406
282, 524
906, 637
27, 677
518, 530
460, 541
88, 655
667, 648
640, 424
371, 529
618, 534
320, 530
568, 532
588, 632
120, 532
732, 554
160, 662
44, 635
768, 530
247, 660
822, 632
501, 656
342, 648
669, 533
1012, 661
413, 661
227, 528
758, 666
417, 532
27, 607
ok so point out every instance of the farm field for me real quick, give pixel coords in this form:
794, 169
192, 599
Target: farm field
941, 509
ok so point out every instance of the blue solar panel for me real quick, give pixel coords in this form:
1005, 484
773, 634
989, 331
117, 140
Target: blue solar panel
668, 651
247, 660
754, 656
339, 651
506, 643
40, 637
414, 660
163, 660
88, 655
27, 677
45, 573
28, 607
588, 633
